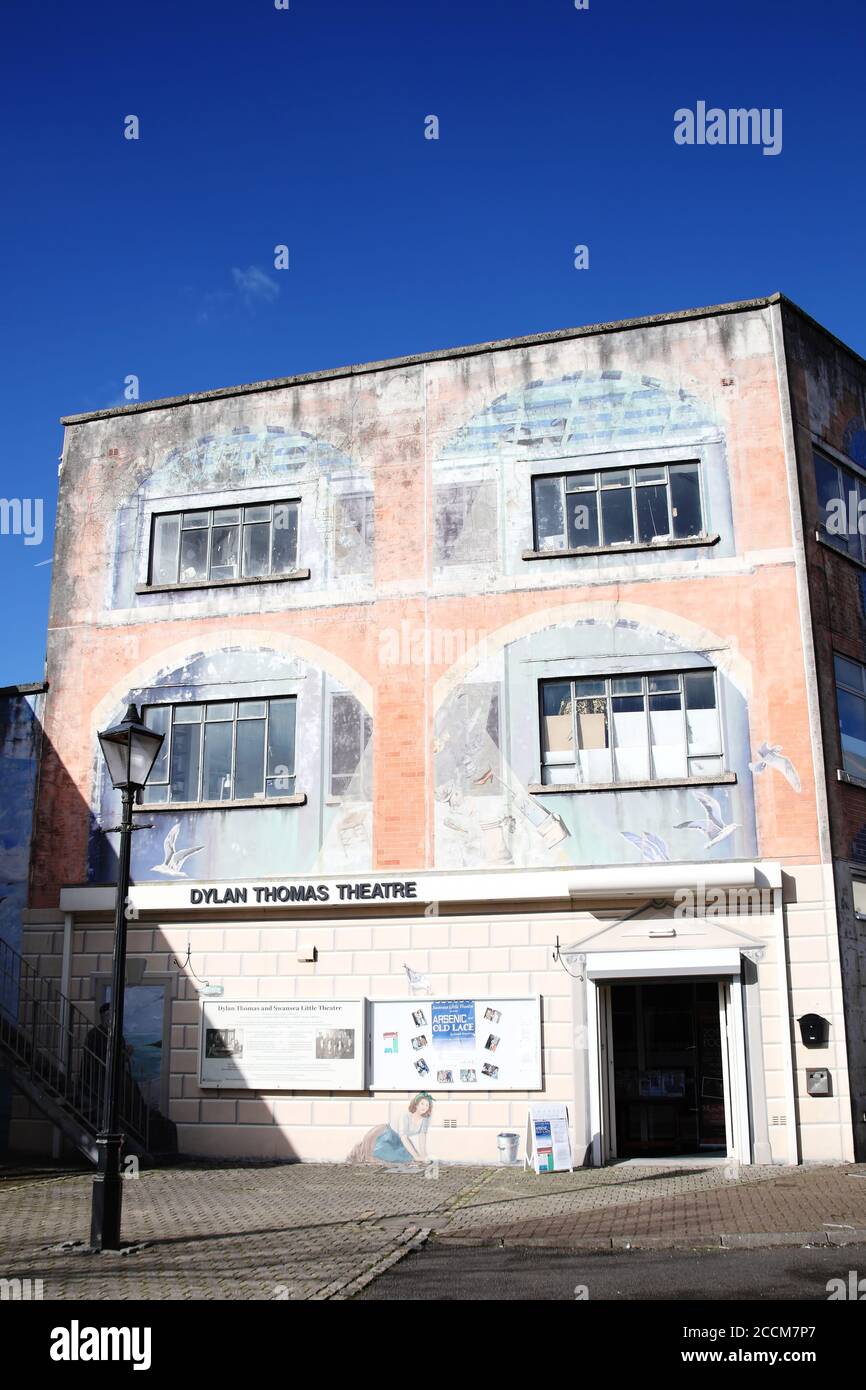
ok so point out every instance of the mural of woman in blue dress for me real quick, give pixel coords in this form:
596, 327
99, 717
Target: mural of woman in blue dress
384, 1146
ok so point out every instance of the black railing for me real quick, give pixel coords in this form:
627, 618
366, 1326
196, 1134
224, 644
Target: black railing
62, 1051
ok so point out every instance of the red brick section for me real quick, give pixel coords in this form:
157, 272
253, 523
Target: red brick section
799, 1200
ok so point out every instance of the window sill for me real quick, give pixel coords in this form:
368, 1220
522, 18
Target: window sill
222, 583
542, 788
852, 781
147, 807
688, 542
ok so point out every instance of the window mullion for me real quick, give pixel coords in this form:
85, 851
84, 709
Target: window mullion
201, 751
650, 758
574, 744
685, 723
265, 751
209, 552
170, 749
234, 751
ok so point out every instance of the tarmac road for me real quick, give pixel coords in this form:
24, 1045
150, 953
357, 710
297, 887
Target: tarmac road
454, 1274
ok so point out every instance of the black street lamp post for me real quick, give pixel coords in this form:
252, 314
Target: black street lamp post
130, 750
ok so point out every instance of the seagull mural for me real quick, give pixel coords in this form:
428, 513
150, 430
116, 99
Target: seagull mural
652, 847
713, 826
172, 865
419, 983
771, 755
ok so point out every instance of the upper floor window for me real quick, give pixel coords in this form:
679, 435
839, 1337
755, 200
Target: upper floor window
617, 506
841, 492
851, 704
224, 543
630, 728
226, 750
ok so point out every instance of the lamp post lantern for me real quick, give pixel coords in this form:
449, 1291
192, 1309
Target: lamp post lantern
130, 750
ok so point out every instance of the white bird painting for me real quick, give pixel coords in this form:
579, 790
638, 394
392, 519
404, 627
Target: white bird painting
172, 865
652, 847
771, 755
713, 826
419, 983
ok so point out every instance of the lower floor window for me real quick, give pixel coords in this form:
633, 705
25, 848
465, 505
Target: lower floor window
226, 750
630, 728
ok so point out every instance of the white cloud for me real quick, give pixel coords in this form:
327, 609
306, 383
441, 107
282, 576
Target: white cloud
254, 286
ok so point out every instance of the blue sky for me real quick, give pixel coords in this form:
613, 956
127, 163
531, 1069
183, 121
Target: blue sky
305, 127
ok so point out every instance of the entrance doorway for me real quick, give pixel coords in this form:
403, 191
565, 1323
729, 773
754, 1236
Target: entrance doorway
668, 1068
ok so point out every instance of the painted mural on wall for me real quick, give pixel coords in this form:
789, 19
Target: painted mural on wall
247, 733
221, 483
603, 698
611, 421
593, 701
403, 1147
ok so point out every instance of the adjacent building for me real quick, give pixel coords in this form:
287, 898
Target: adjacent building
514, 702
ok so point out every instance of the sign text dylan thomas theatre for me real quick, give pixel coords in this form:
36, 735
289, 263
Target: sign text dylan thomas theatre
304, 892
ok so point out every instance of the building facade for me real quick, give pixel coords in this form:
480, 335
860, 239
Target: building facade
502, 752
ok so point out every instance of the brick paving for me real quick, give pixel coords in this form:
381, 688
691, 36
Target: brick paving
315, 1231
671, 1206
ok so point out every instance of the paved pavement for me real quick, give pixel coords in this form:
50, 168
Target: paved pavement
675, 1206
316, 1231
436, 1274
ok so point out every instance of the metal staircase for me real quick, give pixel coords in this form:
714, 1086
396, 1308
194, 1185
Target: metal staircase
56, 1057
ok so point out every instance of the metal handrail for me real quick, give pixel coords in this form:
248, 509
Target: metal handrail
62, 1050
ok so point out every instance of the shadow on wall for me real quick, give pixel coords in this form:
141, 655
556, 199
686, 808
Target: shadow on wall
21, 738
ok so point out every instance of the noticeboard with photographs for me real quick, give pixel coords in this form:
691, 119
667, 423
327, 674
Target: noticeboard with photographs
283, 1045
455, 1044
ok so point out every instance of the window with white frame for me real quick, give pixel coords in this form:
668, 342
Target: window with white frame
851, 705
220, 543
225, 750
638, 728
840, 494
858, 890
617, 506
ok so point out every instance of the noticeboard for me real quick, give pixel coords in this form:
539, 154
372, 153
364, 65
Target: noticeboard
439, 1044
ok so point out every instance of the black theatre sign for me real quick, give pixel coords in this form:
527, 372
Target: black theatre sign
255, 894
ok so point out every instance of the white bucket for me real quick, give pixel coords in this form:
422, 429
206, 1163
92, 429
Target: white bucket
507, 1145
